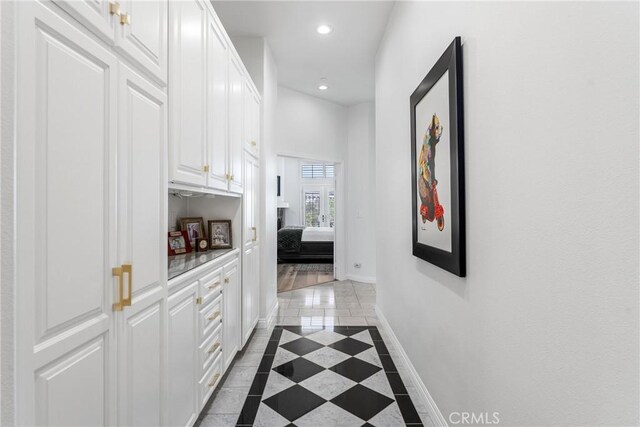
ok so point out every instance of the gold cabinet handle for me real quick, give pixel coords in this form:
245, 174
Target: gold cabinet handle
215, 285
114, 8
214, 380
199, 300
213, 348
127, 268
226, 280
125, 19
253, 143
231, 177
205, 168
117, 272
255, 234
214, 316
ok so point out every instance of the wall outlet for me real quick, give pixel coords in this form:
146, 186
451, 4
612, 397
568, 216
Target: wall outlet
357, 265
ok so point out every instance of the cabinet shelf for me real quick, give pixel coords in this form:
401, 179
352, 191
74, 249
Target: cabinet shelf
180, 264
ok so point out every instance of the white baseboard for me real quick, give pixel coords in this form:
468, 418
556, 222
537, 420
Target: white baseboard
267, 322
363, 279
434, 412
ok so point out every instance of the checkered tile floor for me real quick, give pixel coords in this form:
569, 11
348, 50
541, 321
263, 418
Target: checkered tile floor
327, 376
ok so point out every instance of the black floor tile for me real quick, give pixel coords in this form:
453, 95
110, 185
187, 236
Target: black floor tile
258, 384
265, 364
375, 334
382, 349
276, 334
387, 363
272, 347
302, 346
349, 330
350, 346
407, 409
362, 401
396, 383
298, 369
355, 369
249, 410
294, 402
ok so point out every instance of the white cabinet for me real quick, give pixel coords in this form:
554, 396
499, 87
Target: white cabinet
217, 117
188, 92
251, 119
141, 220
231, 313
236, 101
66, 239
138, 29
251, 257
144, 38
182, 356
91, 305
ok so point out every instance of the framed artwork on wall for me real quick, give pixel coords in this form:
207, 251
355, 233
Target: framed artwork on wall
194, 228
437, 164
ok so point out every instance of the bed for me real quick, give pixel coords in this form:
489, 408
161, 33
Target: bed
305, 244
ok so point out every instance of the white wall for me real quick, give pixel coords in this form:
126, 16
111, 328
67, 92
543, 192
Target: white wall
544, 329
361, 192
309, 127
290, 190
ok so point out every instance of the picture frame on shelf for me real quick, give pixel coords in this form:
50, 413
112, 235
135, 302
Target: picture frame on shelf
220, 234
178, 243
194, 228
437, 164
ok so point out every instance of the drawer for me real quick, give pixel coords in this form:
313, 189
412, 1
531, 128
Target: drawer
210, 317
210, 380
211, 285
211, 348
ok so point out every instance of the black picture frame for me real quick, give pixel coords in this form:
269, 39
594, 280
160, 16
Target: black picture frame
454, 261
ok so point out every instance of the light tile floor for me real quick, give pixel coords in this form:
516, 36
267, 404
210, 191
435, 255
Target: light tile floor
343, 303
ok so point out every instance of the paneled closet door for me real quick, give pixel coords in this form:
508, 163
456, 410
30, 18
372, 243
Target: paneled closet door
251, 260
236, 101
231, 314
188, 91
141, 33
218, 91
67, 90
142, 128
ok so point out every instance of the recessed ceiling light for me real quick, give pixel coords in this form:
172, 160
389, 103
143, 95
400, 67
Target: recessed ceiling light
323, 87
324, 29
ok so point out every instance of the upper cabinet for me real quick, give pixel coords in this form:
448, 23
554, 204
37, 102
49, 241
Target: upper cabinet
138, 29
187, 92
251, 118
214, 106
142, 35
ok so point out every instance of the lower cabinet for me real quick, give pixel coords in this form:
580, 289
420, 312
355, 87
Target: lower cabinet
204, 334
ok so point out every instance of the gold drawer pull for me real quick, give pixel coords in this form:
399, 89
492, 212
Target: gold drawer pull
125, 19
253, 143
114, 8
215, 285
213, 347
214, 380
214, 316
226, 280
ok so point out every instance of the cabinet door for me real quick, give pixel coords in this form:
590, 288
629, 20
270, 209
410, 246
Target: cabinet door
65, 223
249, 228
218, 84
187, 90
95, 14
182, 357
142, 212
250, 291
236, 101
231, 313
144, 38
251, 119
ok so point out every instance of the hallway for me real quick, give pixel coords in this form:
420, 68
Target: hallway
331, 356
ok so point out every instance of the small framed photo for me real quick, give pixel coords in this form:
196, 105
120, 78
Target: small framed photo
220, 234
202, 245
194, 228
178, 243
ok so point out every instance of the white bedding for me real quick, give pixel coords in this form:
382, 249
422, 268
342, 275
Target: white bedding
318, 234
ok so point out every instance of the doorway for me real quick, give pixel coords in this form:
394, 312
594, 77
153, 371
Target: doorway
306, 222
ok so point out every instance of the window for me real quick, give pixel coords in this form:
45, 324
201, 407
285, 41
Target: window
317, 170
